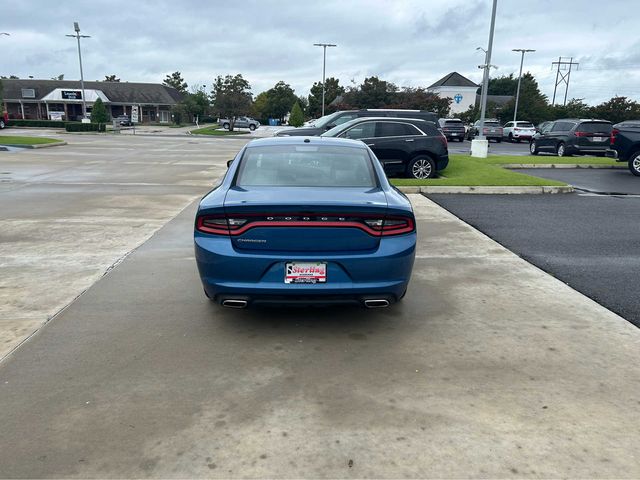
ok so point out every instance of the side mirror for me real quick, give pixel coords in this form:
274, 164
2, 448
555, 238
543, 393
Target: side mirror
230, 162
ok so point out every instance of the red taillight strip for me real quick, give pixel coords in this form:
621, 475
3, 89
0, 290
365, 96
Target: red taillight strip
386, 230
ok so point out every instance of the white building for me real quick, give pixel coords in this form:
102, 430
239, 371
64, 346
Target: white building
460, 89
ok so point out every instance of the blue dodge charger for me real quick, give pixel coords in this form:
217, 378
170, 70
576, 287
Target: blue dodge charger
305, 221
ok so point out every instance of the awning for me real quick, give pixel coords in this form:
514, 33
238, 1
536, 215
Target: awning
74, 95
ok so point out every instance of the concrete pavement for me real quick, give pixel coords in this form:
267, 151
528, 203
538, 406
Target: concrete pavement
67, 214
488, 368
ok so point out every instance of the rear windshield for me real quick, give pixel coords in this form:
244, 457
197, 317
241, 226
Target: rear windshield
524, 125
453, 122
306, 166
594, 127
492, 124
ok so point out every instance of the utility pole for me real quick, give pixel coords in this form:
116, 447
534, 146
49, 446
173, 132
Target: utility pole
77, 35
523, 51
324, 64
481, 144
563, 77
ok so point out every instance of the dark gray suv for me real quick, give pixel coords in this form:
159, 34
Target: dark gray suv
327, 122
572, 136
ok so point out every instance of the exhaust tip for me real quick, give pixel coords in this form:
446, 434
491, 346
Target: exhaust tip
234, 303
376, 303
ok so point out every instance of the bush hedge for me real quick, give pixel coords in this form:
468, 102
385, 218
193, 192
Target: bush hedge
37, 123
85, 127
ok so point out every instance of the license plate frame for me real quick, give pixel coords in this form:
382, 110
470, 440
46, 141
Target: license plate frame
307, 273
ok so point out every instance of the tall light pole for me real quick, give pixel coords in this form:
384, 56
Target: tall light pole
523, 51
77, 35
481, 144
324, 64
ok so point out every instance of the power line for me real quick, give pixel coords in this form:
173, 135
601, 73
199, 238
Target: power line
563, 77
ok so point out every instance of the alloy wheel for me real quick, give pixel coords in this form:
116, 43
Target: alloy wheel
561, 150
636, 163
421, 168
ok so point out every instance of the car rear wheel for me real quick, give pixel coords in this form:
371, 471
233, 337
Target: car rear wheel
634, 163
499, 140
225, 126
422, 167
511, 137
252, 127
561, 150
533, 148
1, 124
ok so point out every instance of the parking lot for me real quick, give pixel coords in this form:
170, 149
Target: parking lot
476, 373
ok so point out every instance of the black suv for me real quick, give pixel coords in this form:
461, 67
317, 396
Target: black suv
571, 136
625, 144
453, 128
405, 146
327, 122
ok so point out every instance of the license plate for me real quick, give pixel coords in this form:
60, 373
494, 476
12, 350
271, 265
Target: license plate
493, 130
454, 134
309, 272
597, 139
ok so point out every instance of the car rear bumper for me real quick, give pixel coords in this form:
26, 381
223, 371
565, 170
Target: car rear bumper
587, 149
258, 277
611, 153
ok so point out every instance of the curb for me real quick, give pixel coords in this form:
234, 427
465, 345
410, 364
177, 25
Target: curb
489, 190
515, 166
39, 145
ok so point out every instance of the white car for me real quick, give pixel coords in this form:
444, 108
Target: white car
516, 131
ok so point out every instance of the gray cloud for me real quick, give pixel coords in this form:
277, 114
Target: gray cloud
408, 42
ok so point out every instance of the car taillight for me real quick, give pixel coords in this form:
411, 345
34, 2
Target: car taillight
581, 134
391, 226
218, 225
614, 134
443, 139
516, 129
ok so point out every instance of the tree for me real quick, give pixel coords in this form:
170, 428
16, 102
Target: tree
575, 108
111, 78
280, 98
372, 93
59, 77
231, 97
617, 109
176, 81
332, 91
296, 119
196, 104
99, 113
259, 107
419, 99
533, 105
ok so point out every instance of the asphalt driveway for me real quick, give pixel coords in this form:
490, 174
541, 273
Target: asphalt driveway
608, 181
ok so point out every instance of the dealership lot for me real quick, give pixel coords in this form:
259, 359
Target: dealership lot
489, 367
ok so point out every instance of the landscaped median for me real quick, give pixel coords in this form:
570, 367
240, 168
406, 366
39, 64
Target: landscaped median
29, 142
466, 174
214, 130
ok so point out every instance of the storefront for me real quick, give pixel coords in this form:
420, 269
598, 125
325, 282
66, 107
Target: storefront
63, 100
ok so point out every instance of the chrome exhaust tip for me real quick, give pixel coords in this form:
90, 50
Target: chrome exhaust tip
376, 303
234, 303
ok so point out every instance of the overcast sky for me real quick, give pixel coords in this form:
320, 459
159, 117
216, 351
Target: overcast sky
411, 43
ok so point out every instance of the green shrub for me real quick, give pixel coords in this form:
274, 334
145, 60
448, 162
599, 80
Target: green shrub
85, 127
37, 123
296, 118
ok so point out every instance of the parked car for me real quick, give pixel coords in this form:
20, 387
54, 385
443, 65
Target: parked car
124, 121
520, 130
625, 144
492, 130
571, 136
305, 221
453, 128
241, 122
4, 120
542, 126
338, 118
404, 146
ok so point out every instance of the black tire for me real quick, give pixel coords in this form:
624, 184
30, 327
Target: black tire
561, 150
511, 137
252, 127
499, 140
1, 124
533, 148
225, 126
421, 167
518, 140
634, 163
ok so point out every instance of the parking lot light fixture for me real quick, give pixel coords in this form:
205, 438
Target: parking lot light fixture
480, 146
324, 64
77, 35
523, 51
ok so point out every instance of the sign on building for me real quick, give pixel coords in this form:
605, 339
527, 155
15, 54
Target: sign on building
56, 115
71, 94
134, 114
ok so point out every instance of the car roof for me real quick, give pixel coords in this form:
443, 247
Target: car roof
581, 120
386, 119
302, 140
